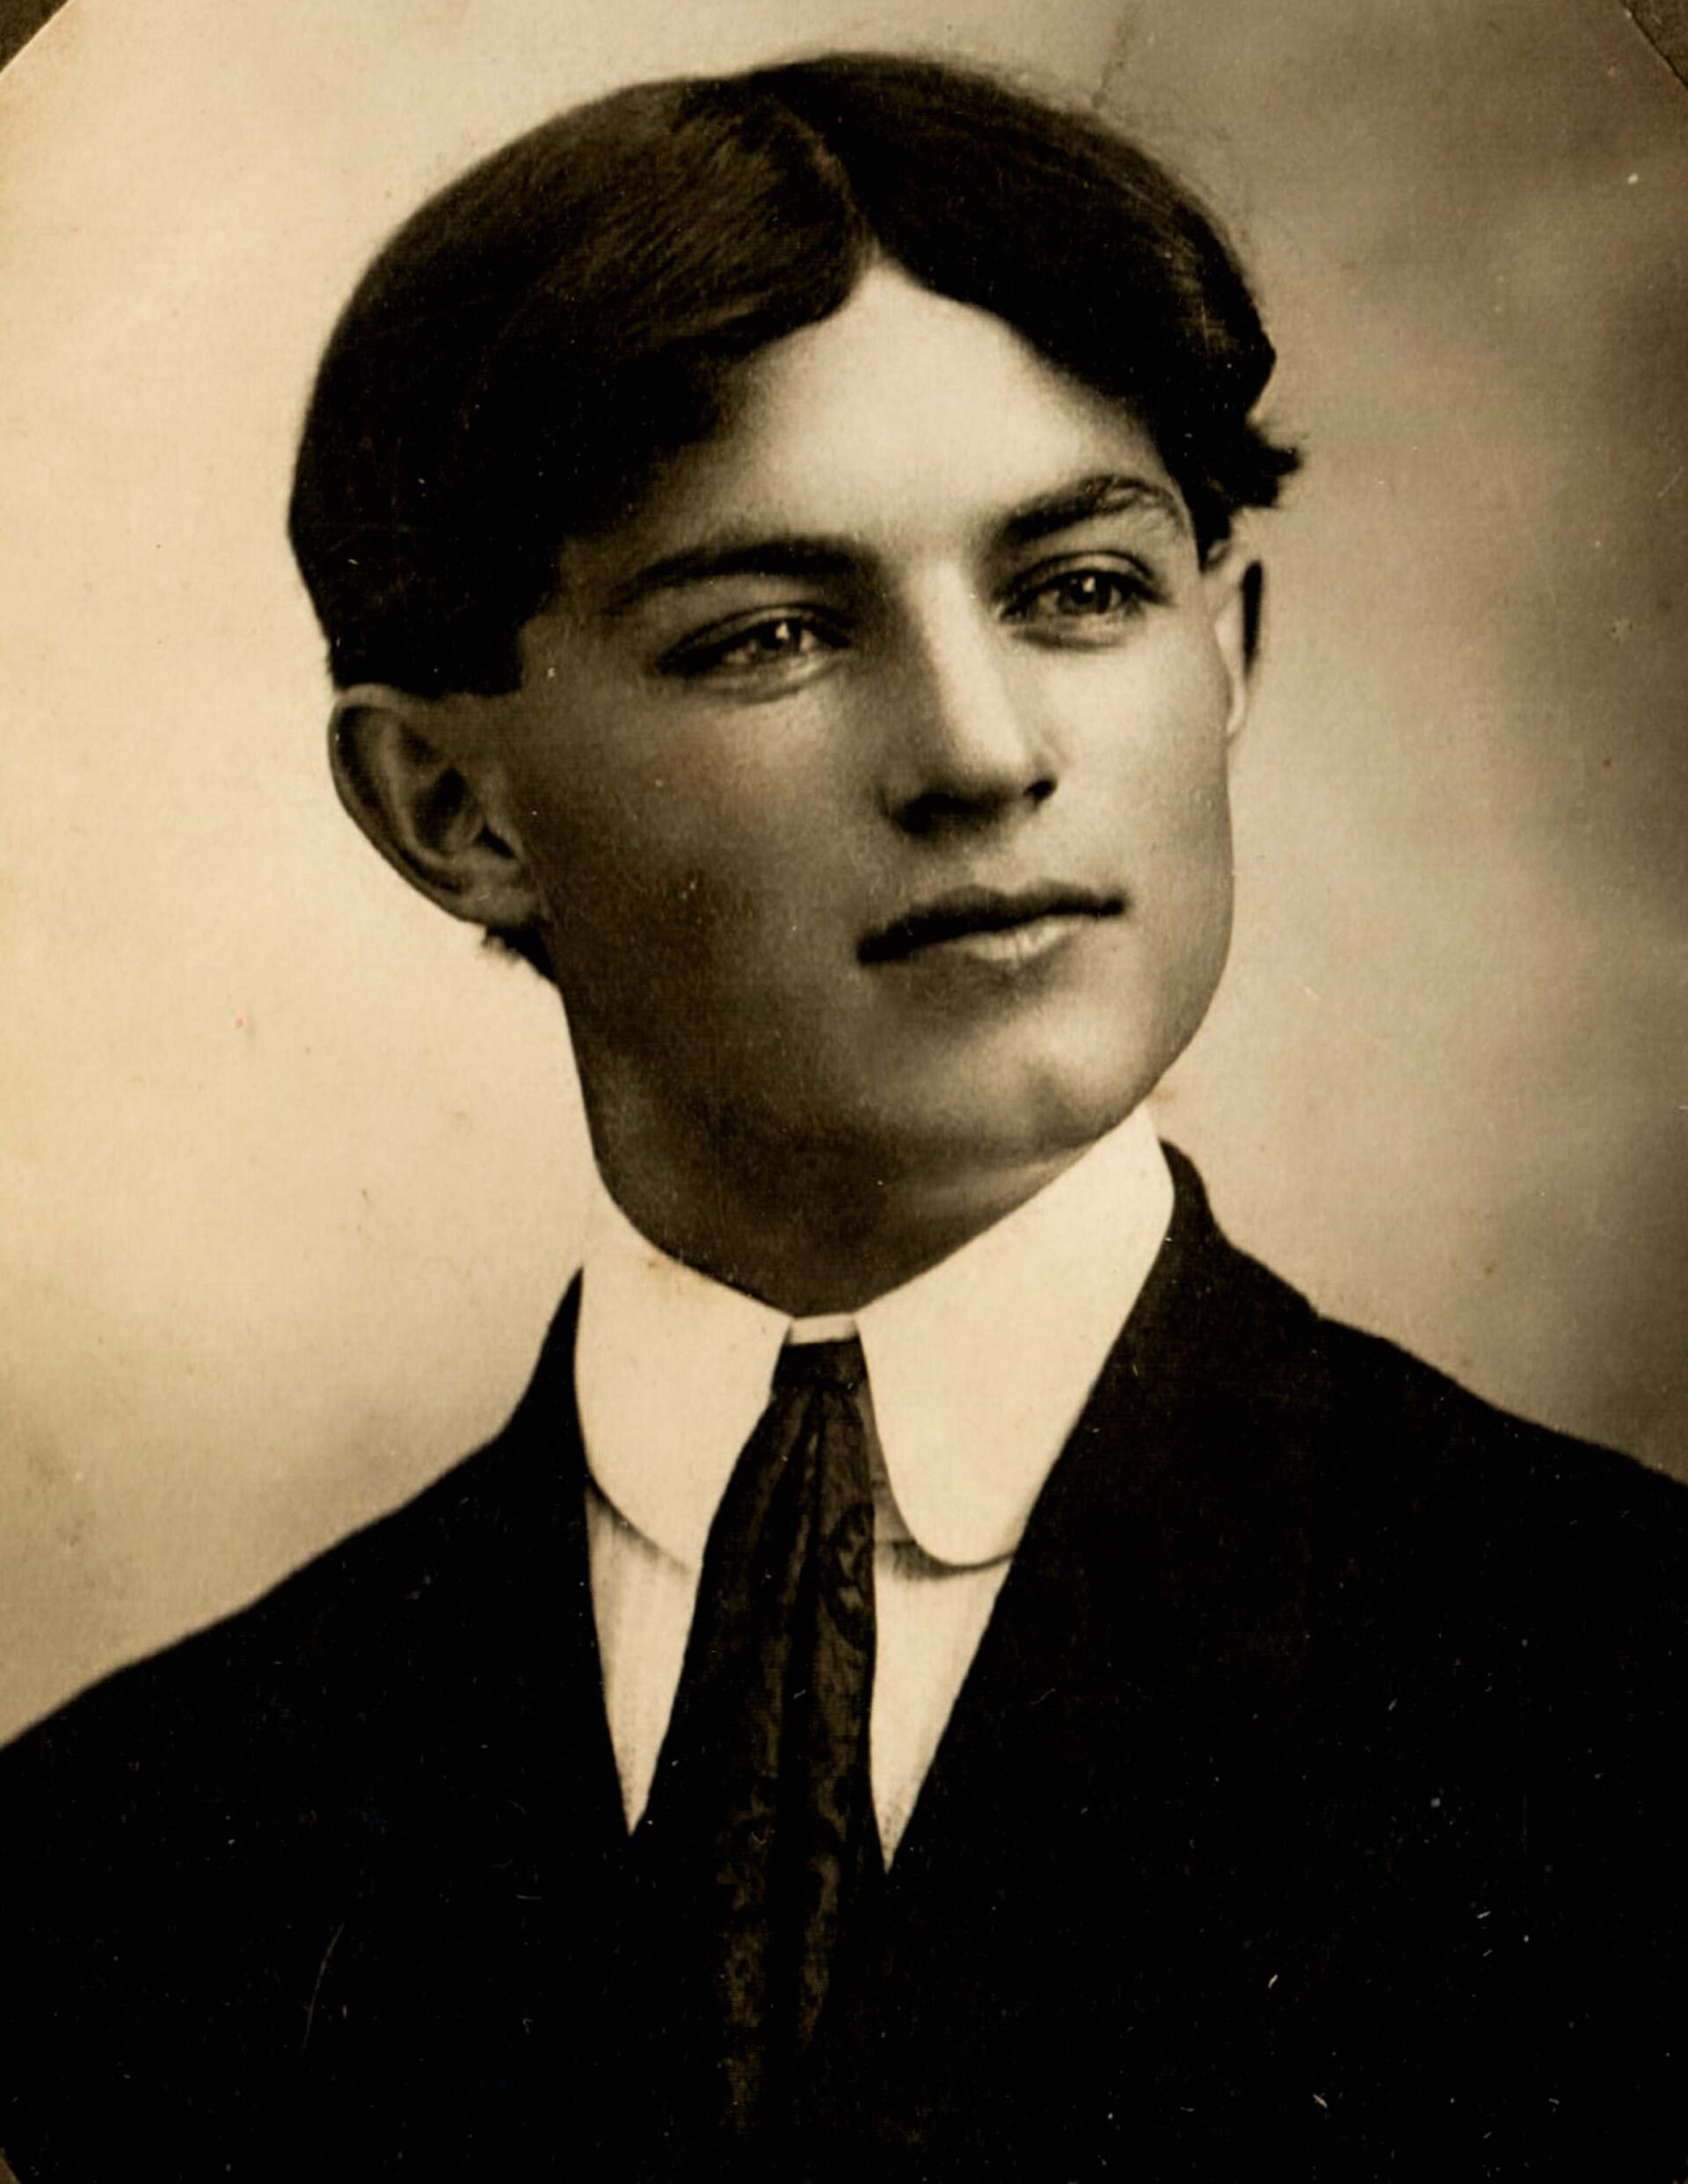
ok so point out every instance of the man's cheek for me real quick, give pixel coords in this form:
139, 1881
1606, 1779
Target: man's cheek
703, 903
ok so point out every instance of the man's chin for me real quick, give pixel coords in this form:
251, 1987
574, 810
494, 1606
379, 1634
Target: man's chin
1041, 1113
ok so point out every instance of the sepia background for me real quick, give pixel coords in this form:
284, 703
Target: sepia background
291, 1171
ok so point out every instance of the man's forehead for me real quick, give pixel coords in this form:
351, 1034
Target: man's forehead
903, 411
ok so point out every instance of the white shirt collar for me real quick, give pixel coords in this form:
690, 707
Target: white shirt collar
978, 1368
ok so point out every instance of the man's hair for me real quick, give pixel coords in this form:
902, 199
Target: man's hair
534, 341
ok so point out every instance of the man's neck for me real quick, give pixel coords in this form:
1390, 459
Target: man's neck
804, 1233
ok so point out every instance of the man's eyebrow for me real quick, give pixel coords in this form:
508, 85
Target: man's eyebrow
712, 559
1108, 493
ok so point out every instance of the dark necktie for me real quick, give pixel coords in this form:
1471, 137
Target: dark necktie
759, 1851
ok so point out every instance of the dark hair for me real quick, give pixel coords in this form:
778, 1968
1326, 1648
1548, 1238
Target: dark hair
535, 339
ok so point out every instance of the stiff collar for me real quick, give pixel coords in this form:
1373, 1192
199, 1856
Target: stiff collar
976, 1370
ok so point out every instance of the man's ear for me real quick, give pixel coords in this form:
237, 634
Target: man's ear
391, 755
1236, 588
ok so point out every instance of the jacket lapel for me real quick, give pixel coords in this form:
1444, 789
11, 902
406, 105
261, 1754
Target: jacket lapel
1082, 1862
1167, 1548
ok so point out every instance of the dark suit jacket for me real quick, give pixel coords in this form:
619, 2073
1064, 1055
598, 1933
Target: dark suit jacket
1311, 1809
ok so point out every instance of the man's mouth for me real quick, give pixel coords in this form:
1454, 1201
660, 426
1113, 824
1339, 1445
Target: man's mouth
993, 924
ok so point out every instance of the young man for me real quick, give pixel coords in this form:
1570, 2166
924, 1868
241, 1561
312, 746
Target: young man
951, 1666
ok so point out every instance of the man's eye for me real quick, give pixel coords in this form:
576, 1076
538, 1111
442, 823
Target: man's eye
775, 642
1097, 596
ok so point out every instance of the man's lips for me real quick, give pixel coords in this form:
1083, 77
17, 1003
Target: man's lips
966, 911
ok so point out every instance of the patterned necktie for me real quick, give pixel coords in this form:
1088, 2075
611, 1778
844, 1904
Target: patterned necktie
758, 1851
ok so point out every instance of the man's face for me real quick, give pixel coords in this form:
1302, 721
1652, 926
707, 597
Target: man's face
872, 775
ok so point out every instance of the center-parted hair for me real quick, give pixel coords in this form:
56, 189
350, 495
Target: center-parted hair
530, 345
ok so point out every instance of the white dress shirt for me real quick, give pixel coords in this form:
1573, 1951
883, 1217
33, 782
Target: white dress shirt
977, 1372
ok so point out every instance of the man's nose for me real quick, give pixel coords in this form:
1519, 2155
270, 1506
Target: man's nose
966, 739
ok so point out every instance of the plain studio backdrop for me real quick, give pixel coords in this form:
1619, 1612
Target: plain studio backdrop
293, 1171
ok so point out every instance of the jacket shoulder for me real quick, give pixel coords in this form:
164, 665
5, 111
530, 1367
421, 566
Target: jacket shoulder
413, 1603
1260, 1336
1384, 1465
